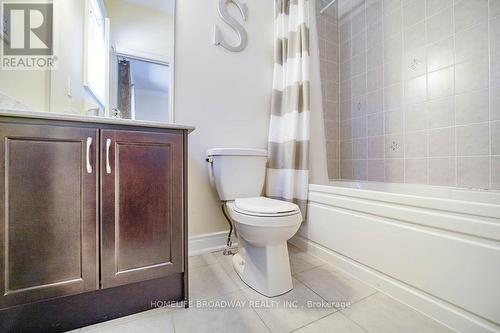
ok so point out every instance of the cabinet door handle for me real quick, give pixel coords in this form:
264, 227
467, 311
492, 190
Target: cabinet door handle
108, 146
89, 166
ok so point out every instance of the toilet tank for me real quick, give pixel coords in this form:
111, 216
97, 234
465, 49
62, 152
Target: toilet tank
237, 172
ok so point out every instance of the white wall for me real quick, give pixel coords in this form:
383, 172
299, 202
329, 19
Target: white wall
30, 87
225, 95
141, 28
70, 22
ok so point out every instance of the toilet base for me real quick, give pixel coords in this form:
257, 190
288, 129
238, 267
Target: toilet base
264, 269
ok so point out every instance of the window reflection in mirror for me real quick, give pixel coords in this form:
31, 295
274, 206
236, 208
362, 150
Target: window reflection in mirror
103, 47
142, 90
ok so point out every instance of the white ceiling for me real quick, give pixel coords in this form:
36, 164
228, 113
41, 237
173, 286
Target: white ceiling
166, 6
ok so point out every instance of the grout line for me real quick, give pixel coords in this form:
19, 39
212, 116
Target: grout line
403, 90
490, 134
353, 321
454, 90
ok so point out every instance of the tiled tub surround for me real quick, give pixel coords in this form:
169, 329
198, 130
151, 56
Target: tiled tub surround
327, 27
419, 92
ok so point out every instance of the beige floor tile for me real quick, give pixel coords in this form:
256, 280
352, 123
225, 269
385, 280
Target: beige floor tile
333, 323
334, 285
210, 281
290, 311
300, 261
202, 260
153, 321
229, 269
222, 259
230, 313
382, 314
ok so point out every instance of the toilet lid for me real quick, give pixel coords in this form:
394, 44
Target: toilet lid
262, 205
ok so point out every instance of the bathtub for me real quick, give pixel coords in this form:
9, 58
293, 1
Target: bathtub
436, 249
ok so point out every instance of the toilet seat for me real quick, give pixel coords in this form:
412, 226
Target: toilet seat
264, 220
262, 206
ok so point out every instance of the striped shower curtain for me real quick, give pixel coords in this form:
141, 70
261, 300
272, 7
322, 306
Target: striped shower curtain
288, 171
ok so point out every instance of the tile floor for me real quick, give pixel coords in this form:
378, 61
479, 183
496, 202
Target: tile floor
214, 282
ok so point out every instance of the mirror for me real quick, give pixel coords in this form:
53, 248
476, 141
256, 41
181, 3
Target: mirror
110, 58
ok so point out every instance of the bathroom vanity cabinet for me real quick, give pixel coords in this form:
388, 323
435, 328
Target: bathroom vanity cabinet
92, 220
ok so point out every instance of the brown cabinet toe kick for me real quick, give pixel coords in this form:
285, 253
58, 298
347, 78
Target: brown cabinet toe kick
93, 222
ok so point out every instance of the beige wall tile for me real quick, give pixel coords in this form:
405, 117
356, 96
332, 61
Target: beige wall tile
416, 90
416, 144
394, 170
393, 97
494, 8
472, 75
346, 150
439, 25
393, 23
359, 127
440, 54
441, 112
413, 12
376, 147
414, 37
359, 169
373, 12
414, 63
375, 101
495, 138
442, 142
416, 117
469, 13
495, 102
442, 171
374, 34
472, 107
473, 139
495, 172
359, 149
346, 169
374, 78
473, 172
434, 6
346, 129
416, 170
495, 35
393, 121
376, 170
375, 124
394, 146
472, 43
440, 83
393, 48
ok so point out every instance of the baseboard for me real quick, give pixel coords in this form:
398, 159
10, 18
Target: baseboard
443, 312
206, 243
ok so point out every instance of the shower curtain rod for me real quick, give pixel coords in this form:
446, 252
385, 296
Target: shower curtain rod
326, 7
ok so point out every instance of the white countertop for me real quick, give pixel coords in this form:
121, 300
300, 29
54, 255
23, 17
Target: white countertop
89, 119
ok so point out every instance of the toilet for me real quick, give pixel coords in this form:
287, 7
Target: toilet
263, 225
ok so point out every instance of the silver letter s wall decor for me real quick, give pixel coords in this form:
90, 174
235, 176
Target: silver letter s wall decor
235, 25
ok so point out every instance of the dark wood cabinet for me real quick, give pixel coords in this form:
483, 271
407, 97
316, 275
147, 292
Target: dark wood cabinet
48, 212
141, 206
93, 221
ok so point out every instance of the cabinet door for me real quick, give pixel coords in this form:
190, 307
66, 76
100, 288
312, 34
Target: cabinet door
141, 206
48, 212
